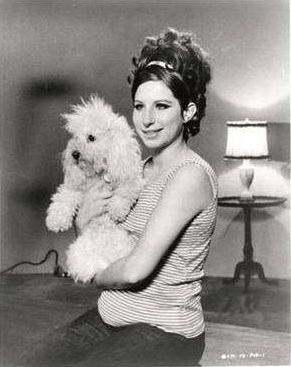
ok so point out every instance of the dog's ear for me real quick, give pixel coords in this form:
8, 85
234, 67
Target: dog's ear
124, 155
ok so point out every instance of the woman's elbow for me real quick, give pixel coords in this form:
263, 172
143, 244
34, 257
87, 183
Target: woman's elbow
134, 276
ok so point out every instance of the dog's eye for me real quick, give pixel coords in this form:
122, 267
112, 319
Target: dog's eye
91, 138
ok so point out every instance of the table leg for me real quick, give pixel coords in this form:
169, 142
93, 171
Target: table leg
248, 249
248, 267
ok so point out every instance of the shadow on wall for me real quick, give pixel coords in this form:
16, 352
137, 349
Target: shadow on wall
33, 176
40, 135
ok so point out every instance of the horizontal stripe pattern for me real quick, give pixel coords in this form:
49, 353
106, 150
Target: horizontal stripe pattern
172, 300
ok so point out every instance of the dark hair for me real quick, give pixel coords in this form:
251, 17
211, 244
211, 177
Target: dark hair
185, 71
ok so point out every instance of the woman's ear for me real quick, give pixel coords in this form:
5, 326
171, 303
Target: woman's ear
189, 112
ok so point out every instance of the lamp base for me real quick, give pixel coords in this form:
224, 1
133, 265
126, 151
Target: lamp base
246, 195
246, 174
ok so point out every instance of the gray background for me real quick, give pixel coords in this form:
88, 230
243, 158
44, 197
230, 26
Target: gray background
52, 53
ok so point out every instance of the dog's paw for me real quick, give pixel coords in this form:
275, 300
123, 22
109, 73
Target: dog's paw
63, 208
59, 220
84, 258
59, 217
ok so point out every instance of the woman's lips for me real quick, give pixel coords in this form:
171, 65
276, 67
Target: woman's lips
151, 133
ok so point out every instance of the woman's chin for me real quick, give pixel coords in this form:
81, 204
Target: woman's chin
151, 143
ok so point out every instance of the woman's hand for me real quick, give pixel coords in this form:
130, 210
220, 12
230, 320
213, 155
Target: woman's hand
113, 277
94, 203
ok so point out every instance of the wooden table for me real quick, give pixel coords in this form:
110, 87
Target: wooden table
248, 266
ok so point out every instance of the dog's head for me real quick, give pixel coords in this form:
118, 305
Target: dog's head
102, 143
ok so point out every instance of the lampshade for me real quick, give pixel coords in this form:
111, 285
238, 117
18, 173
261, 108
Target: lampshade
246, 140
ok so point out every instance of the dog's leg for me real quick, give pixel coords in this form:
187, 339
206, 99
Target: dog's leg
63, 208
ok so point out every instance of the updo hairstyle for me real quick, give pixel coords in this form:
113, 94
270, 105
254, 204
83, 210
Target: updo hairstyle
176, 59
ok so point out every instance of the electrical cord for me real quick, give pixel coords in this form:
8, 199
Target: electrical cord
58, 270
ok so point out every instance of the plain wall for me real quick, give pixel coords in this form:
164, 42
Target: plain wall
52, 53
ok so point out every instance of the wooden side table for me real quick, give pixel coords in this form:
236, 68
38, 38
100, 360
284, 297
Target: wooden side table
248, 266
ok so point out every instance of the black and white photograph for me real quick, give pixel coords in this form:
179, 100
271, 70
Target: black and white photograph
145, 183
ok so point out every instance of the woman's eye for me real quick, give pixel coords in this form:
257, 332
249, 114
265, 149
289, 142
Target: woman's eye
138, 106
162, 106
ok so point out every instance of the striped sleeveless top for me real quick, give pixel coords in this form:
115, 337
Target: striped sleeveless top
171, 301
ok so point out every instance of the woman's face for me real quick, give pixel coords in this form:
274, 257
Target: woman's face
157, 115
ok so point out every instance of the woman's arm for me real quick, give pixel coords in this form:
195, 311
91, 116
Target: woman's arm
186, 195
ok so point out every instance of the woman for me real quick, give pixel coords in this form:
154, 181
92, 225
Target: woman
150, 311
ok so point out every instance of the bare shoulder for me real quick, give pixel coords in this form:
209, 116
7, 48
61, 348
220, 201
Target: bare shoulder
191, 183
191, 176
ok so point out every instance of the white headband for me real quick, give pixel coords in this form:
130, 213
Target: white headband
162, 64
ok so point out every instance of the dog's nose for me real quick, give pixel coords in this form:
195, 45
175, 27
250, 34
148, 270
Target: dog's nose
76, 155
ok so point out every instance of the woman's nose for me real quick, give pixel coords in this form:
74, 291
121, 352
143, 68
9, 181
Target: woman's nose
149, 118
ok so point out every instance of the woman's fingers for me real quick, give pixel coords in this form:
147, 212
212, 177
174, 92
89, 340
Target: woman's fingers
107, 194
100, 191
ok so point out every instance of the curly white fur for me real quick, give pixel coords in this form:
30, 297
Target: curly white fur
102, 148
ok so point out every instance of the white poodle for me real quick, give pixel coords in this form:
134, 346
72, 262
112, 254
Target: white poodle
102, 152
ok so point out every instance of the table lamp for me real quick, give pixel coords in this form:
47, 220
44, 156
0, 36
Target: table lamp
246, 140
